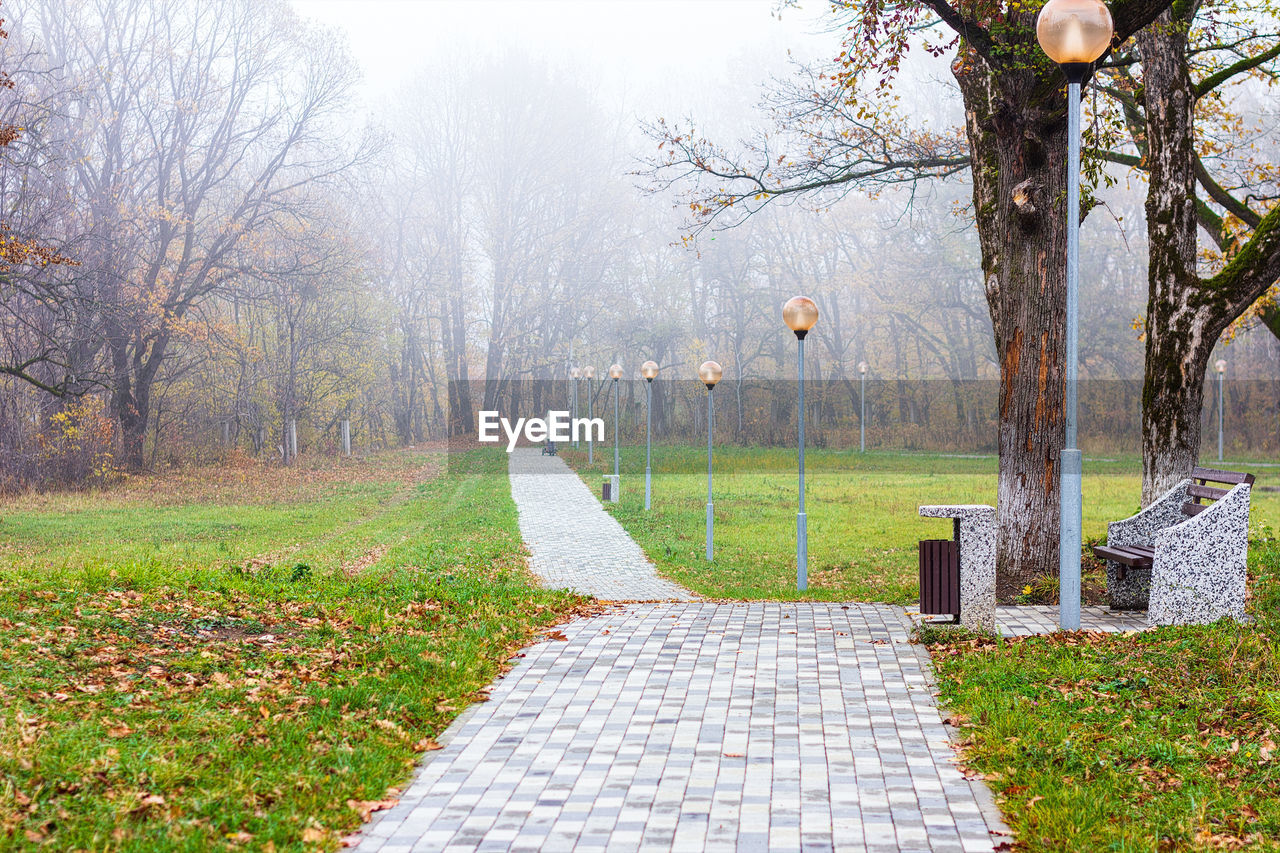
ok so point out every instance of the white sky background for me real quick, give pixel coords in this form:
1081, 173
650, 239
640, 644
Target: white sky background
650, 58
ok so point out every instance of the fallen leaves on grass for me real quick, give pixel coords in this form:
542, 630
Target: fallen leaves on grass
1136, 722
354, 567
365, 808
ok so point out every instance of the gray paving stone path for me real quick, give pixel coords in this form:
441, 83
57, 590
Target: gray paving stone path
1023, 620
688, 725
573, 542
700, 726
1027, 619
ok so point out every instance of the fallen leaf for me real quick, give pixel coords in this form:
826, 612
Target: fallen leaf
365, 808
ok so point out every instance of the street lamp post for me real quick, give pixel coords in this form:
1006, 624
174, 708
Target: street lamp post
710, 372
800, 313
862, 416
615, 482
589, 373
576, 374
1074, 34
615, 373
649, 370
1221, 364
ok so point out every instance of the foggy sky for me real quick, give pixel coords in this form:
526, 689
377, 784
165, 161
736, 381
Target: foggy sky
655, 56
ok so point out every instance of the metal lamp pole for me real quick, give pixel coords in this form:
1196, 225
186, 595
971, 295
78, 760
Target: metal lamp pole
590, 373
574, 374
710, 372
1070, 535
1222, 368
862, 417
615, 372
800, 313
649, 370
1073, 34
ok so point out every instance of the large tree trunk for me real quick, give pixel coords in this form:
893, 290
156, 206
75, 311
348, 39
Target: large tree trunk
1016, 125
1180, 331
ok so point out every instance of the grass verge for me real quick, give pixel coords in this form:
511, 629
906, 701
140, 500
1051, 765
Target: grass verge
863, 514
249, 675
1160, 740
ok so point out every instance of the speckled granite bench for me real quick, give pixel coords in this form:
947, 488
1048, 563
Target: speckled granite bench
1183, 559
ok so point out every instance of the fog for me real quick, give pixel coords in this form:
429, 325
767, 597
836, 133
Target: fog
272, 214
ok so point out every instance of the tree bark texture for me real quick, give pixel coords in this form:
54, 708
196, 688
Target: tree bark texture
1016, 125
1180, 334
1186, 313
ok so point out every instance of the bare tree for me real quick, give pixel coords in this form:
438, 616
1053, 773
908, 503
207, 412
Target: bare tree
184, 147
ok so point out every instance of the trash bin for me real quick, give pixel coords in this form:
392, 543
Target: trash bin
940, 577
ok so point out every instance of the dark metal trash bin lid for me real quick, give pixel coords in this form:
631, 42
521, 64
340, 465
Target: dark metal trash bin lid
940, 576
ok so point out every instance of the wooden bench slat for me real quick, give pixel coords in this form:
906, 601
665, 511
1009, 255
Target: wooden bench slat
1215, 475
1138, 556
1190, 508
1213, 493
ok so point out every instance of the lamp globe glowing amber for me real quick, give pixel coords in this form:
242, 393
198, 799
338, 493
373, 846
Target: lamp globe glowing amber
576, 373
1074, 32
710, 372
615, 371
800, 313
1221, 364
649, 370
862, 367
589, 372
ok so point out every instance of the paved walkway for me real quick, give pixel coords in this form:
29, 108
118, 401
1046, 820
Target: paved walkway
686, 725
698, 726
1027, 619
1024, 620
574, 543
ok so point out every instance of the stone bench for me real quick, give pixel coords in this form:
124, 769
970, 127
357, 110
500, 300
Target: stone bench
1182, 559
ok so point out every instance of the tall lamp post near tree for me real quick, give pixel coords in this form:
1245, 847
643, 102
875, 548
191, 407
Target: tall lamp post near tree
1074, 34
800, 313
649, 370
710, 372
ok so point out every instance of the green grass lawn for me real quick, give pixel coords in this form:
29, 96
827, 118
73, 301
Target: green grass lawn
863, 514
1161, 740
248, 659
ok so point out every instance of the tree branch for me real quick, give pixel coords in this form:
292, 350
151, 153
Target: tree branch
1252, 270
1249, 63
968, 29
1129, 16
1211, 222
1123, 159
1219, 194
